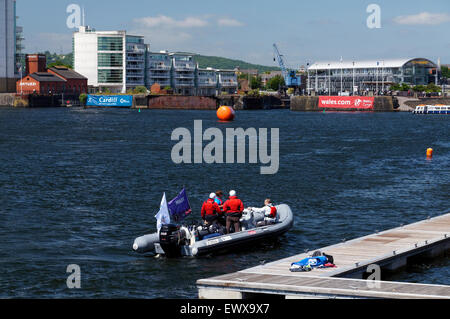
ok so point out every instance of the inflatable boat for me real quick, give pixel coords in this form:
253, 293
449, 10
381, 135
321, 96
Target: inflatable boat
196, 240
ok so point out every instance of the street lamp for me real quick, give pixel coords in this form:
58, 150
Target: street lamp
19, 66
341, 74
353, 82
307, 81
329, 79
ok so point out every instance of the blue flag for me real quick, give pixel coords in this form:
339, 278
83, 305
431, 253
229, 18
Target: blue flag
179, 207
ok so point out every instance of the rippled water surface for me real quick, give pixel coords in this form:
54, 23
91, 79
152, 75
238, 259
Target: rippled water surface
77, 186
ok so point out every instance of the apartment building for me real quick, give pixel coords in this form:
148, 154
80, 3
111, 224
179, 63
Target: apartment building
136, 53
159, 69
206, 82
183, 73
227, 81
117, 62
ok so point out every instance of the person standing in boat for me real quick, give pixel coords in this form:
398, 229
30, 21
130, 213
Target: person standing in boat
269, 211
210, 210
233, 209
219, 200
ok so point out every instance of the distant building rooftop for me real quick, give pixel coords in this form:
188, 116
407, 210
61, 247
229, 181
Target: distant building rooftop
387, 63
46, 77
67, 73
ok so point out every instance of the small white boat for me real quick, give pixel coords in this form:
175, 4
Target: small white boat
432, 109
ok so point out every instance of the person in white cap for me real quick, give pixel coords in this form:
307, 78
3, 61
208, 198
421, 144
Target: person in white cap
269, 211
210, 210
233, 209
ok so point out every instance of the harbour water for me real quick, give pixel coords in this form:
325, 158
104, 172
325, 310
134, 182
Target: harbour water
78, 185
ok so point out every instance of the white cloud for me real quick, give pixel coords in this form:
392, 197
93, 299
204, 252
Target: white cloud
165, 21
423, 18
226, 22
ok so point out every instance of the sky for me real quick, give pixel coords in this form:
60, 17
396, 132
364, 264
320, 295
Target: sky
305, 31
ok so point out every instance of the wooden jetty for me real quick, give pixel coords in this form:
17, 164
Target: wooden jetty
389, 250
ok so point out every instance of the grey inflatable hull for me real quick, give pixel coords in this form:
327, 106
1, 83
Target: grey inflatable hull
150, 243
146, 244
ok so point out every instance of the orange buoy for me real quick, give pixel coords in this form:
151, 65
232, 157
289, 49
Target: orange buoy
429, 153
225, 113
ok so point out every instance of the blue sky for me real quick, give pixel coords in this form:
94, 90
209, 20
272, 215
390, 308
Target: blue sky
305, 31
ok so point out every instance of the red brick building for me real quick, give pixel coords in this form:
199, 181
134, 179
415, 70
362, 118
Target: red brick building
41, 83
56, 80
75, 82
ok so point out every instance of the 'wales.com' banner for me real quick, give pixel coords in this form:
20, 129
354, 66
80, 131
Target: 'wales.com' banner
110, 100
347, 102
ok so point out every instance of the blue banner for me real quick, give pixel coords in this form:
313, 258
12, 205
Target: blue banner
110, 100
179, 207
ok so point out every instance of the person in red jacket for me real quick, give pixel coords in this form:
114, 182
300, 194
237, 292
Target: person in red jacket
233, 209
210, 210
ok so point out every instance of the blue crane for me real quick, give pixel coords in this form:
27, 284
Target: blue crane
290, 77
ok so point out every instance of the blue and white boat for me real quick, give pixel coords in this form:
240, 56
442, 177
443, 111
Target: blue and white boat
432, 109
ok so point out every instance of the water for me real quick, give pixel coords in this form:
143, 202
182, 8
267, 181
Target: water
77, 186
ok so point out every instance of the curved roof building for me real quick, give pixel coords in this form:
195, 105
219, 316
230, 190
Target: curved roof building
372, 75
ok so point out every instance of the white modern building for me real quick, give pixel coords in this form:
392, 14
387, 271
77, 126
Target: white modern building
111, 60
117, 62
364, 76
10, 46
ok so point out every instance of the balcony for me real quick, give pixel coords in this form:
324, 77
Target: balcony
162, 67
207, 83
135, 51
184, 76
135, 66
184, 66
135, 59
159, 76
228, 85
184, 84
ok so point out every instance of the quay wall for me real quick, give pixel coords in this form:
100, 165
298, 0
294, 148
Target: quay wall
36, 100
182, 102
311, 104
7, 99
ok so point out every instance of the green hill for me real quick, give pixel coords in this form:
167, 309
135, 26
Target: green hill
224, 63
203, 61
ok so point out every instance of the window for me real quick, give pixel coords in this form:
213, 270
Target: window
110, 44
110, 60
137, 40
110, 76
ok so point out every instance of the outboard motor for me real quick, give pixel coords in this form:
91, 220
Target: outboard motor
171, 237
